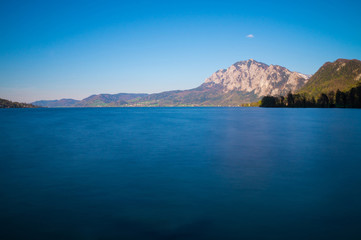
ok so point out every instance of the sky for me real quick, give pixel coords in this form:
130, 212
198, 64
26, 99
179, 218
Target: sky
73, 49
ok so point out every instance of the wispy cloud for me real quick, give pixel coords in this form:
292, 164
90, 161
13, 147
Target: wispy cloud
250, 36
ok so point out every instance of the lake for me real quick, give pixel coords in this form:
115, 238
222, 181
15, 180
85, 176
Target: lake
180, 173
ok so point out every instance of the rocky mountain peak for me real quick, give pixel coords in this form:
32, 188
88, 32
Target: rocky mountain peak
257, 77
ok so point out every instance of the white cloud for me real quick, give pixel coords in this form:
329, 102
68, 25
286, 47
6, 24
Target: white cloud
250, 36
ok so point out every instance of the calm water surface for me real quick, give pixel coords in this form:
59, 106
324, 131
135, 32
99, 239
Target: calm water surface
180, 173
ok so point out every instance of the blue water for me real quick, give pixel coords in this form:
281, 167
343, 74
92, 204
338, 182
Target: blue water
180, 173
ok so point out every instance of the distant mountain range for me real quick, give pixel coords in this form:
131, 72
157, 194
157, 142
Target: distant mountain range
243, 82
56, 103
109, 100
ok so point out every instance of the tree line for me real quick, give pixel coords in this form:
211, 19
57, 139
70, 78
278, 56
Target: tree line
9, 104
338, 99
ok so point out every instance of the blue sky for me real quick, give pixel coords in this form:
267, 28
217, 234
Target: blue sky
72, 49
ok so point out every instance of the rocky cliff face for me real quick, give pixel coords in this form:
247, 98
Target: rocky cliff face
257, 77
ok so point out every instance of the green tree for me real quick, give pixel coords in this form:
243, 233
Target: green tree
268, 101
352, 97
290, 99
358, 94
338, 97
323, 100
282, 101
344, 99
304, 100
331, 98
313, 102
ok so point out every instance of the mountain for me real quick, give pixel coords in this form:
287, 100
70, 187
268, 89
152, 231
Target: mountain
341, 74
243, 82
100, 100
109, 100
257, 77
204, 95
56, 103
9, 104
